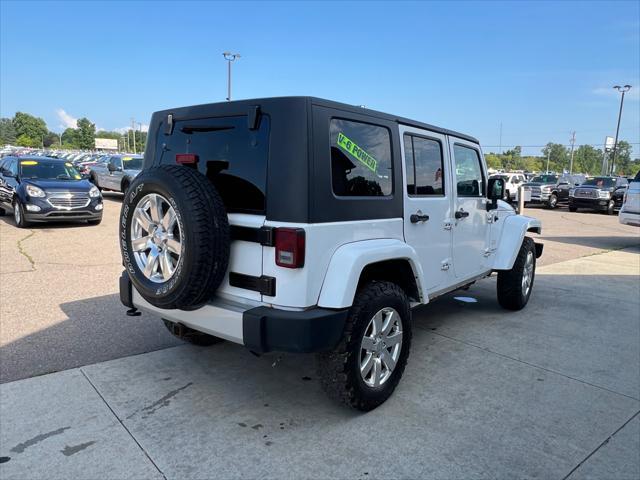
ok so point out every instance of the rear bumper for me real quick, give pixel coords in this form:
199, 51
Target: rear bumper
261, 329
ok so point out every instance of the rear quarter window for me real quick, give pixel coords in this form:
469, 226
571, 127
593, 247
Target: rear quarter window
360, 159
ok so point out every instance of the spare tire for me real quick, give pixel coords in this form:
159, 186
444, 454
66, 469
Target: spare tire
174, 237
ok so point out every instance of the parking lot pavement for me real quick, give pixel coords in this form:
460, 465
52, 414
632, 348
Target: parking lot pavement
59, 306
549, 392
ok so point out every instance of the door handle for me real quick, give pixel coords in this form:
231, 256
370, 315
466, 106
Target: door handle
415, 218
461, 214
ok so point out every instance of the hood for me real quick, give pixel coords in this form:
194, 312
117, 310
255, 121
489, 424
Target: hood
58, 185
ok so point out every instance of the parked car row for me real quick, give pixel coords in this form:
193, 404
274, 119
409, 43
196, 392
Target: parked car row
576, 191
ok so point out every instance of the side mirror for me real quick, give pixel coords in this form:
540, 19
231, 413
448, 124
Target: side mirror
8, 174
495, 192
113, 168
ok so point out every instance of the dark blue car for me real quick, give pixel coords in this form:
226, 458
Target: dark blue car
42, 189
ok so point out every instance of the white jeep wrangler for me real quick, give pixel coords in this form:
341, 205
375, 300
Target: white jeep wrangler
304, 225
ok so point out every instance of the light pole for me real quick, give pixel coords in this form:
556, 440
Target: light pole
622, 90
229, 57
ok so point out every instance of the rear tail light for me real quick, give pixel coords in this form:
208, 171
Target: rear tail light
290, 243
183, 158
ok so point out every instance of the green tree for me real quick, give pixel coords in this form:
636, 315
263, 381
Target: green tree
587, 159
7, 132
86, 134
558, 156
29, 126
623, 158
26, 141
50, 139
70, 137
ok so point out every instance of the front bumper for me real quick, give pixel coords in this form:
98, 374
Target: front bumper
591, 203
261, 329
49, 213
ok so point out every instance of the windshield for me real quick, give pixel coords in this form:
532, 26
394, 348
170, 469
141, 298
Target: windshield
545, 179
132, 163
601, 182
48, 170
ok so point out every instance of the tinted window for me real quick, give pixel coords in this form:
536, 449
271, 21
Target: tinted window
48, 170
602, 182
469, 179
545, 179
360, 159
231, 155
132, 163
424, 166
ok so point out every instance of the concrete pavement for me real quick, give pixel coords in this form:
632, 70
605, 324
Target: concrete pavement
552, 391
59, 306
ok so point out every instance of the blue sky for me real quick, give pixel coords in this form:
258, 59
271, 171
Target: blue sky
542, 69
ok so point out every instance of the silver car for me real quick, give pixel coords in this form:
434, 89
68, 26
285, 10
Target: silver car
116, 172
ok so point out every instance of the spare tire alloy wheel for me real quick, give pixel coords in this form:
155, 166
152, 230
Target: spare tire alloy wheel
156, 238
174, 237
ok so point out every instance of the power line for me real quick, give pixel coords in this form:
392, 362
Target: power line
564, 145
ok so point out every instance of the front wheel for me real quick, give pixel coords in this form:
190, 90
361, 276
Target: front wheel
515, 285
553, 201
18, 214
610, 207
366, 366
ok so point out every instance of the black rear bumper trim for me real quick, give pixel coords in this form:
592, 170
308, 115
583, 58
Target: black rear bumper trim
267, 329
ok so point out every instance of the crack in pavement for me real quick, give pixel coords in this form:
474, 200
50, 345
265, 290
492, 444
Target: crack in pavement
24, 253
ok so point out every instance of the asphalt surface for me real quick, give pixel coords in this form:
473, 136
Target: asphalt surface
59, 305
551, 392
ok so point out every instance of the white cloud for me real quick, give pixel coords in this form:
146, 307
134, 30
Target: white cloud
67, 120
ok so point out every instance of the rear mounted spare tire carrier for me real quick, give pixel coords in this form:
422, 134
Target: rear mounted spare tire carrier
174, 237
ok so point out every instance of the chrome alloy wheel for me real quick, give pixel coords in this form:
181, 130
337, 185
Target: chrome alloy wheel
380, 347
16, 212
527, 274
156, 238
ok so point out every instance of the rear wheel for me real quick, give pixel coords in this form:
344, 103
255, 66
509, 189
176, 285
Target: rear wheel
190, 335
515, 285
366, 366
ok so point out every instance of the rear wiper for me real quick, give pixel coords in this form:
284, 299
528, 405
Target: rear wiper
188, 129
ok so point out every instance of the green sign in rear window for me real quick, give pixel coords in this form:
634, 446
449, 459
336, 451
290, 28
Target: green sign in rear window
357, 152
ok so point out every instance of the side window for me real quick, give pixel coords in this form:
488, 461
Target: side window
469, 178
424, 165
360, 159
13, 167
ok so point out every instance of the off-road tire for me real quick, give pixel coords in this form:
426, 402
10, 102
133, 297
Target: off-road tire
22, 222
573, 209
125, 185
202, 219
339, 369
509, 284
190, 335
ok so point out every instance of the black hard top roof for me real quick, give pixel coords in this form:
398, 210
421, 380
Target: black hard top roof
338, 106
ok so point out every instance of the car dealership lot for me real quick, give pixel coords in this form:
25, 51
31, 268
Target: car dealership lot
549, 391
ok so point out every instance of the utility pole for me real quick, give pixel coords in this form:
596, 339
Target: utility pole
548, 153
622, 90
573, 142
133, 132
229, 57
140, 130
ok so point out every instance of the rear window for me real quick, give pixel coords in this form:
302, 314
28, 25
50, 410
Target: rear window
231, 155
360, 159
